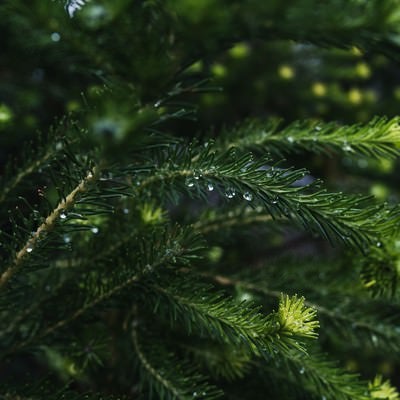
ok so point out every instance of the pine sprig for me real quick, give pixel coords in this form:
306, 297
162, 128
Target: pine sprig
378, 138
212, 314
361, 322
166, 378
323, 378
355, 220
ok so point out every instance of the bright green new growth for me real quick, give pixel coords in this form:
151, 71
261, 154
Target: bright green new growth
117, 277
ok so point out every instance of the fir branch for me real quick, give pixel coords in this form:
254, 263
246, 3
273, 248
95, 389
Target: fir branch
358, 324
355, 220
161, 249
361, 322
380, 389
24, 172
239, 217
322, 377
220, 360
378, 138
165, 377
46, 226
222, 318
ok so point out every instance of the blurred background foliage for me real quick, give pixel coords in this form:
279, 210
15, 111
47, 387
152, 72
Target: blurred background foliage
108, 65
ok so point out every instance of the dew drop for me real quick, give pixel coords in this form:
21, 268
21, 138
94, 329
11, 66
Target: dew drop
125, 210
189, 182
197, 175
248, 196
290, 139
55, 37
59, 145
194, 394
67, 239
275, 200
95, 229
302, 370
378, 244
210, 187
63, 216
230, 193
29, 250
374, 339
347, 147
318, 128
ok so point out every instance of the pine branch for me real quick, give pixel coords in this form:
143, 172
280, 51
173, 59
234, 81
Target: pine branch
220, 360
212, 314
322, 378
213, 221
378, 138
355, 220
360, 323
162, 249
46, 227
165, 377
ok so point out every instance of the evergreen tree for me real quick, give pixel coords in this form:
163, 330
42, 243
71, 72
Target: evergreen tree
164, 229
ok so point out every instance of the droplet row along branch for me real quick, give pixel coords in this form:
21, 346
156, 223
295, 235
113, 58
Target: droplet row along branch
48, 225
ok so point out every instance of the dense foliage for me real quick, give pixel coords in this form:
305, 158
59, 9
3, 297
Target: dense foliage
199, 199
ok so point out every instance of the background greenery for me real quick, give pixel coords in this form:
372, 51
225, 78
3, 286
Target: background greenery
204, 70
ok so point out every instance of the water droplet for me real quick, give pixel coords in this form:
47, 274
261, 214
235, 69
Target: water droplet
63, 216
157, 103
374, 339
67, 239
125, 210
347, 147
275, 200
29, 250
59, 145
194, 394
323, 398
248, 196
230, 193
290, 139
302, 370
55, 37
189, 182
318, 128
95, 230
197, 175
210, 187
378, 244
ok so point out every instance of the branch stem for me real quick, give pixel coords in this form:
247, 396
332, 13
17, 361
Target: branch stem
48, 225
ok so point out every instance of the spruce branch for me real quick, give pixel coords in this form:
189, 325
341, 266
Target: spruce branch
165, 377
380, 389
48, 224
222, 318
361, 322
355, 220
165, 248
378, 138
